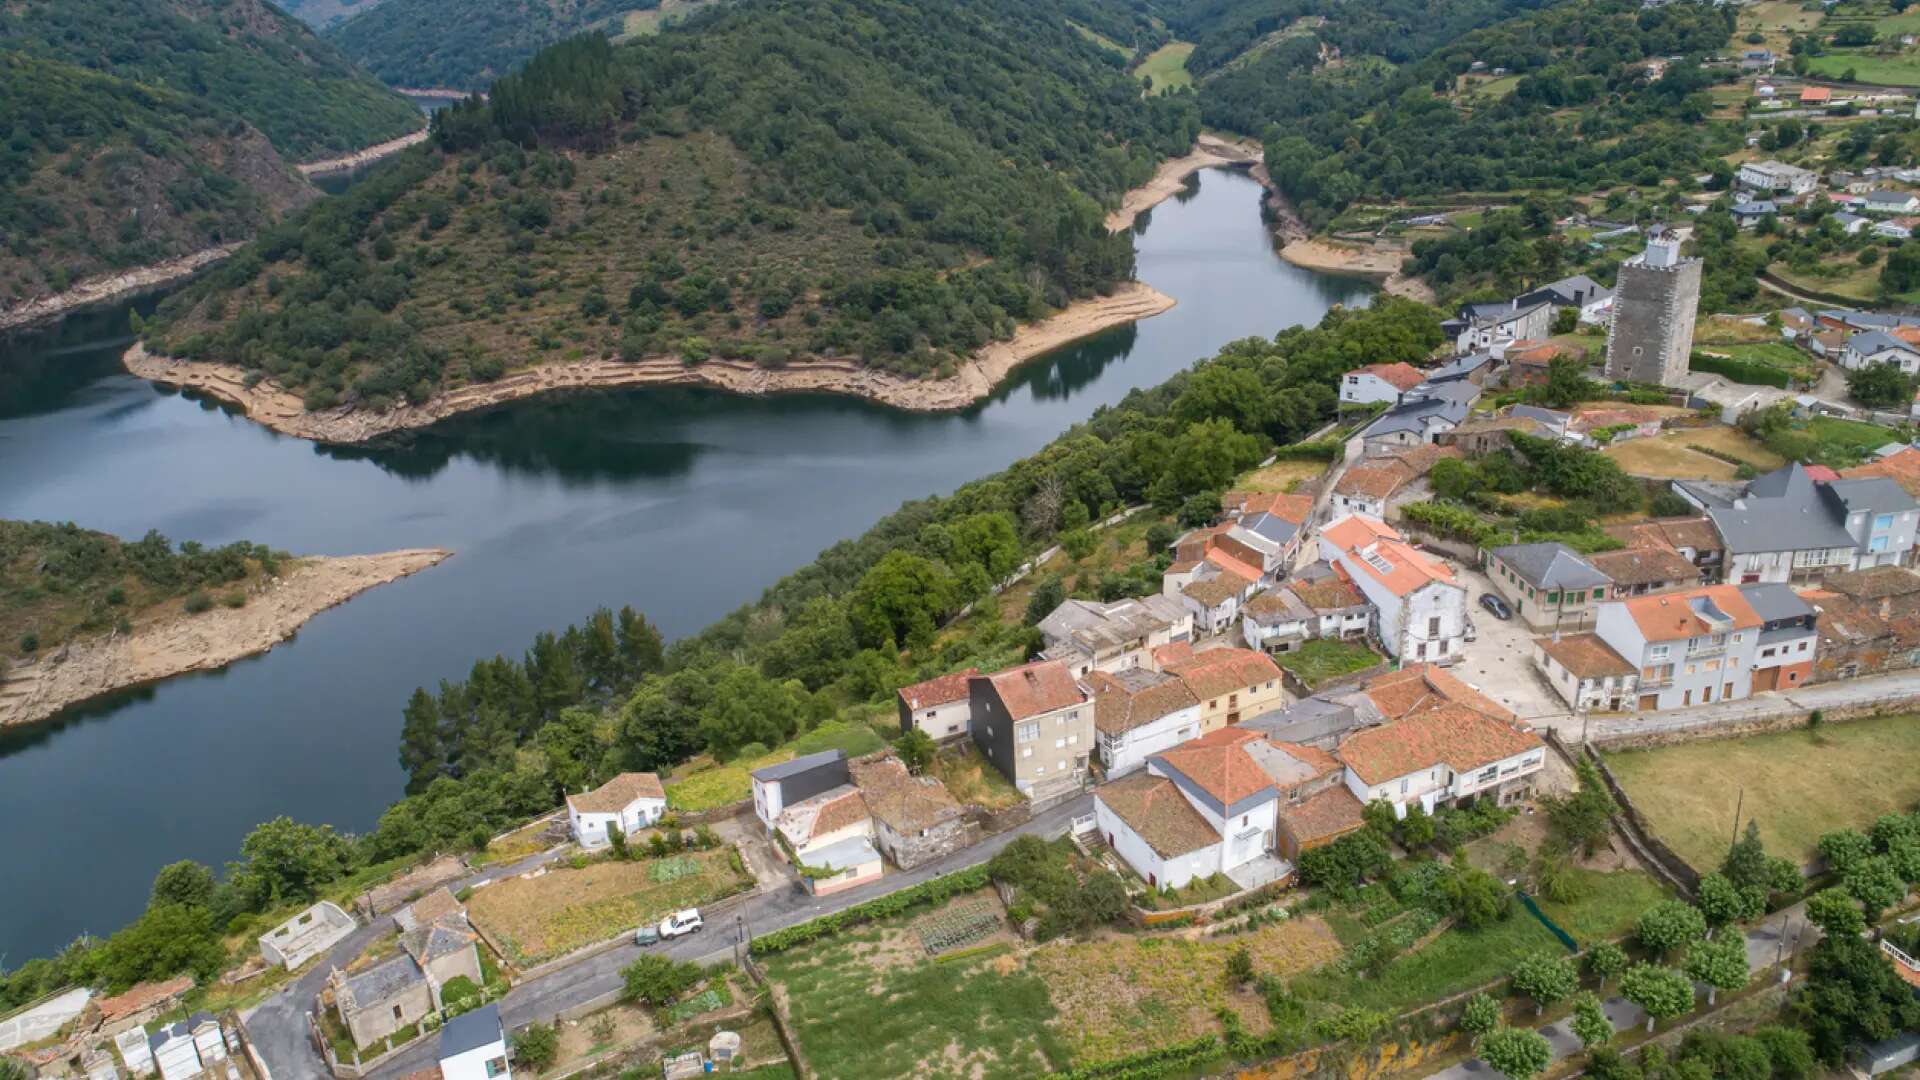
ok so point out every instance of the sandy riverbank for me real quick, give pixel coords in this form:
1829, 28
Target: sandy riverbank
111, 287
280, 409
1209, 151
86, 669
1378, 261
363, 157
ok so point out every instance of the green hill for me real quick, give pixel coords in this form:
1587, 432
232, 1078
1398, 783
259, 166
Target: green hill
466, 44
321, 14
787, 179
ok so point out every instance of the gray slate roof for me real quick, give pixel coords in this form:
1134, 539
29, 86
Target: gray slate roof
471, 1031
798, 765
1498, 312
844, 854
1411, 415
1781, 511
1773, 601
1869, 342
1306, 720
1551, 565
380, 982
1277, 529
1572, 291
1556, 420
1459, 368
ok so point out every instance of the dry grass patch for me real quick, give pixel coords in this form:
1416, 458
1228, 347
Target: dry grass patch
973, 780
1123, 994
1793, 780
552, 914
1672, 457
1281, 476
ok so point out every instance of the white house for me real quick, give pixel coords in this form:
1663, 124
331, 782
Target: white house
1378, 383
1442, 741
306, 935
188, 1047
1483, 326
1776, 176
1849, 223
1890, 202
632, 800
1421, 607
1586, 673
777, 787
1591, 299
1895, 229
1201, 808
941, 707
1793, 526
1138, 713
1716, 643
473, 1046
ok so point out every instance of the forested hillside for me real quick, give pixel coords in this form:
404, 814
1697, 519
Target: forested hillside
874, 179
321, 14
142, 130
466, 44
244, 57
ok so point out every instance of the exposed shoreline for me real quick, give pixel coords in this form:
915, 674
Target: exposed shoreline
281, 410
1380, 264
368, 156
111, 287
83, 670
1209, 151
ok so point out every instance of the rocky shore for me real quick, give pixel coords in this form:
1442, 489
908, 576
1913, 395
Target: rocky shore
360, 158
112, 287
179, 643
1209, 151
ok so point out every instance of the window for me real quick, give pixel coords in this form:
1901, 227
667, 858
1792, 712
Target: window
1884, 521
1433, 626
1059, 744
1553, 597
1577, 598
397, 1014
1802, 648
1026, 732
1658, 652
1600, 593
496, 1067
1026, 751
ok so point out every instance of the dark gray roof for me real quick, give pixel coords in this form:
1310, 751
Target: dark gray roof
1773, 601
1305, 721
1464, 393
1277, 529
1888, 198
1781, 511
1871, 494
787, 769
1459, 367
1756, 208
1568, 292
1557, 420
1868, 319
1868, 342
471, 1031
1498, 312
1551, 566
380, 982
1411, 414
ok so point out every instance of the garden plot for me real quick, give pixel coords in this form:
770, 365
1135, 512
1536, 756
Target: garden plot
540, 917
957, 927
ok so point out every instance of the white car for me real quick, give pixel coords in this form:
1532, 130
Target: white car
681, 922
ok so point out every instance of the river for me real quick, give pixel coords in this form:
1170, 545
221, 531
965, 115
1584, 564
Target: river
683, 503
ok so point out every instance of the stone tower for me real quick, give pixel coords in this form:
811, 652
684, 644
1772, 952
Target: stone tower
1654, 302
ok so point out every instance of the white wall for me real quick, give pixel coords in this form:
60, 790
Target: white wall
1435, 600
590, 828
472, 1065
942, 722
1367, 388
1131, 749
1126, 843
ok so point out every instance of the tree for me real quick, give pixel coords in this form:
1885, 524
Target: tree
1239, 967
1852, 995
1605, 960
1721, 902
657, 980
898, 600
1475, 897
1590, 1024
284, 861
1517, 1053
1880, 386
1663, 992
748, 707
1901, 272
1836, 913
1415, 831
1480, 1015
1876, 884
916, 750
1843, 848
1750, 870
1546, 978
1721, 964
617, 838
535, 1046
1046, 596
1789, 1050
1670, 924
1567, 383
184, 882
1584, 819
165, 941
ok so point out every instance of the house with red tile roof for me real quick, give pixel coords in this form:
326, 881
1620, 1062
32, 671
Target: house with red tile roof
1422, 604
1201, 808
1440, 752
1035, 723
941, 706
1714, 643
1229, 684
1379, 383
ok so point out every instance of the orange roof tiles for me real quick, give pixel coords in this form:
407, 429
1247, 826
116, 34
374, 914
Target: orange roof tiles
1645, 566
1357, 531
1401, 376
1213, 672
1119, 708
1312, 757
1234, 567
1815, 94
143, 996
1458, 737
1691, 532
1406, 570
1327, 594
1294, 508
1670, 616
1416, 687
938, 691
1043, 686
1333, 812
1375, 481
1218, 763
1154, 808
1586, 656
1902, 468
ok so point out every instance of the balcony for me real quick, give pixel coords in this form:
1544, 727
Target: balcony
1706, 651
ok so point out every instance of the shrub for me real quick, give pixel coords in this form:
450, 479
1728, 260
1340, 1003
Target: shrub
927, 893
1740, 371
536, 1045
198, 601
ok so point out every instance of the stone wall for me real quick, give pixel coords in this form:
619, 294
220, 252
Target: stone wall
909, 850
1653, 312
1653, 731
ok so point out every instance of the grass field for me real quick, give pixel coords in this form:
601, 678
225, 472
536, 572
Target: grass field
1848, 279
973, 780
1167, 67
1324, 659
1688, 792
703, 783
539, 918
1459, 959
652, 19
1851, 433
1898, 70
1281, 476
1672, 457
1779, 20
1777, 354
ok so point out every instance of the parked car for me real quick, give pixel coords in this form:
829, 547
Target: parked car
646, 935
681, 922
1496, 607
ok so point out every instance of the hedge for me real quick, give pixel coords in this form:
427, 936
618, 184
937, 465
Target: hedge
1453, 521
1324, 450
933, 891
1740, 371
1178, 1058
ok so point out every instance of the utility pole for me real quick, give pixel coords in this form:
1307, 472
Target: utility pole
1739, 803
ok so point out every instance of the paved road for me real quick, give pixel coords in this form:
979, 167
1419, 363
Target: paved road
279, 1026
1767, 943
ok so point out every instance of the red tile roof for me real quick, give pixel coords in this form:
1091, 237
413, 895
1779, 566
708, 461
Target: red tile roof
1218, 763
143, 996
1043, 686
1902, 468
1670, 616
1401, 376
1331, 813
1294, 508
1211, 673
1118, 708
1406, 569
941, 690
1417, 687
1586, 656
1312, 757
1458, 737
1154, 808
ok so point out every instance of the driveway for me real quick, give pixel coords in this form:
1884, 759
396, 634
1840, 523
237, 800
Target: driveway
1499, 663
540, 999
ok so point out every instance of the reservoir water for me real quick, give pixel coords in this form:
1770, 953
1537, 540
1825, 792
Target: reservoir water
684, 504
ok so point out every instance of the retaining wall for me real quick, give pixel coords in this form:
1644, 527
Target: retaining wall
1654, 731
1640, 836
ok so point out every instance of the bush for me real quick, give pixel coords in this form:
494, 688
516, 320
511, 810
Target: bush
657, 980
927, 893
536, 1045
1740, 371
198, 601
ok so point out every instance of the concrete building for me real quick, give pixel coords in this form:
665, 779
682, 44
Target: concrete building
1139, 713
1441, 749
1420, 608
1580, 292
1486, 326
778, 786
382, 999
1035, 724
1870, 348
1548, 585
1230, 684
1654, 304
1314, 605
1379, 383
1798, 525
1714, 643
941, 707
1776, 177
473, 1046
1091, 636
306, 935
1586, 673
632, 801
1202, 808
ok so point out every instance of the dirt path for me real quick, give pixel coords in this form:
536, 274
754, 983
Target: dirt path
278, 408
82, 670
101, 290
363, 157
1209, 151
